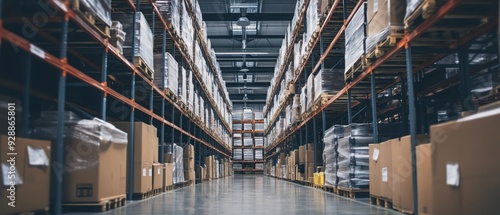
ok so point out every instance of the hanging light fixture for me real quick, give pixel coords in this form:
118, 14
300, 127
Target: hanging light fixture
244, 68
243, 21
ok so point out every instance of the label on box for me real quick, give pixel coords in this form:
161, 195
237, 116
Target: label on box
375, 6
143, 172
452, 174
150, 172
37, 156
10, 177
384, 175
376, 152
159, 171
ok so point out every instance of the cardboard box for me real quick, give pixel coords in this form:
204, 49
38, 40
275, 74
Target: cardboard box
189, 175
189, 151
310, 172
402, 178
158, 176
302, 154
169, 169
424, 179
169, 158
387, 13
188, 164
145, 140
295, 157
282, 158
375, 170
33, 194
209, 162
325, 4
155, 149
96, 174
386, 168
465, 167
309, 157
143, 177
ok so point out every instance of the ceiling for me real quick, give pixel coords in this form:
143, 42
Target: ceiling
269, 21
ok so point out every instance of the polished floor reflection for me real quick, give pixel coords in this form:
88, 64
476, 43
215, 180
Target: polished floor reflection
249, 194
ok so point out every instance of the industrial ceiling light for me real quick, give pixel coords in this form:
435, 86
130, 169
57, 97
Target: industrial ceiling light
244, 69
243, 20
245, 97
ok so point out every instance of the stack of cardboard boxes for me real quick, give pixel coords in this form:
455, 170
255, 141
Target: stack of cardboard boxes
145, 156
189, 173
209, 162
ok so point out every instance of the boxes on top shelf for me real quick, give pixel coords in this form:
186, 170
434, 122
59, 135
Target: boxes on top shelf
385, 22
328, 81
100, 8
355, 36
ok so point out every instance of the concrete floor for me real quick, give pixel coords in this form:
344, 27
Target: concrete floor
249, 194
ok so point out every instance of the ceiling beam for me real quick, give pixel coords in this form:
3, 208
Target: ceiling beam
249, 37
250, 96
249, 84
217, 17
236, 70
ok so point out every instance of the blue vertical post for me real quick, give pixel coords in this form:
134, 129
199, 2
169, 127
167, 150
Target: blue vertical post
180, 125
413, 124
464, 78
315, 134
60, 120
404, 106
349, 108
172, 132
26, 95
162, 132
104, 79
131, 135
321, 50
374, 108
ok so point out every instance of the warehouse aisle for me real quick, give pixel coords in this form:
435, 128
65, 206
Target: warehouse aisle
249, 194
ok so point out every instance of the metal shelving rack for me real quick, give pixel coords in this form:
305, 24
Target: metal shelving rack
79, 70
253, 132
403, 65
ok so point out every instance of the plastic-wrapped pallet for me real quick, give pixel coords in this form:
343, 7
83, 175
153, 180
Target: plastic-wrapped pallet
259, 126
259, 141
247, 139
190, 89
197, 13
385, 18
412, 5
328, 81
178, 171
296, 108
303, 100
237, 166
187, 30
118, 36
247, 126
353, 156
237, 127
259, 154
202, 108
143, 37
100, 8
170, 11
171, 73
310, 91
182, 85
248, 154
259, 166
312, 18
259, 115
237, 116
330, 154
355, 35
297, 55
217, 169
247, 114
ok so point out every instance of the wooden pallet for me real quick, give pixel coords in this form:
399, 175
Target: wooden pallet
330, 189
141, 196
102, 206
168, 188
385, 45
90, 18
424, 10
157, 191
352, 193
143, 67
381, 201
358, 67
171, 95
402, 211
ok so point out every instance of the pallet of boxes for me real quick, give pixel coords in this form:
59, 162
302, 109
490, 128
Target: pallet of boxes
93, 171
209, 162
147, 174
305, 169
189, 173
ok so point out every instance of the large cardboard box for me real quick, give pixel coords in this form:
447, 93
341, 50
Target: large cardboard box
309, 157
98, 172
282, 158
386, 168
382, 14
145, 140
155, 148
189, 151
169, 169
402, 177
143, 177
32, 164
189, 175
158, 176
302, 154
374, 165
169, 158
325, 4
188, 164
424, 179
209, 162
465, 167
295, 157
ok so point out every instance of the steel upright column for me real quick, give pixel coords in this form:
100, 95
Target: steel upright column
413, 123
404, 106
162, 126
104, 82
465, 79
374, 108
26, 95
349, 108
60, 120
180, 125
